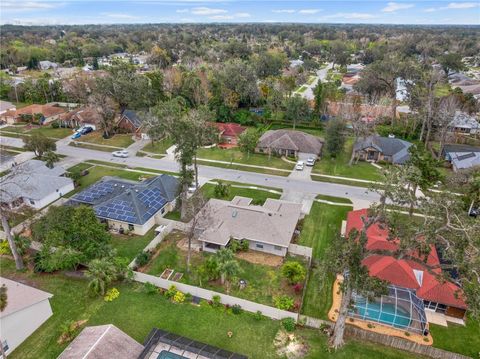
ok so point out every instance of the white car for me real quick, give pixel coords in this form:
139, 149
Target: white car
300, 165
122, 154
311, 161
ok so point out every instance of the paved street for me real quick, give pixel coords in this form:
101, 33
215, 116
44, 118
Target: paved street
359, 195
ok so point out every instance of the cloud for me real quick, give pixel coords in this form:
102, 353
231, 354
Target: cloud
182, 11
462, 5
29, 5
284, 11
206, 11
242, 14
431, 9
350, 15
120, 16
394, 6
222, 17
309, 11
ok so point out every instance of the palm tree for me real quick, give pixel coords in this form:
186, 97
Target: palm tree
101, 273
227, 265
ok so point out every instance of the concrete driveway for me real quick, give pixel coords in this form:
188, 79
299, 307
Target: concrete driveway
307, 170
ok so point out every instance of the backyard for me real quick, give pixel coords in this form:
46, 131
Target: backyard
129, 246
251, 337
338, 166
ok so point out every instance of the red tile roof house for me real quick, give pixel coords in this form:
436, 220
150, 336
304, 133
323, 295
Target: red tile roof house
443, 297
228, 133
47, 113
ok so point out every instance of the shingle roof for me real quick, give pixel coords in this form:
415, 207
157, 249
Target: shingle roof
229, 128
133, 118
21, 296
272, 223
100, 342
45, 110
33, 180
128, 201
291, 140
464, 120
394, 147
463, 160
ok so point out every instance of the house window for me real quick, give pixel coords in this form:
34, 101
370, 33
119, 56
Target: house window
258, 245
277, 248
163, 210
5, 346
131, 227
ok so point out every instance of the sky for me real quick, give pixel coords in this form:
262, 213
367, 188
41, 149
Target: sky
47, 12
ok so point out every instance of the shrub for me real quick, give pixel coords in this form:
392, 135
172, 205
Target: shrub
244, 245
234, 245
150, 288
142, 258
188, 297
221, 190
370, 325
298, 288
294, 271
111, 295
283, 302
216, 301
288, 324
237, 309
258, 315
179, 297
170, 293
4, 247
55, 125
407, 334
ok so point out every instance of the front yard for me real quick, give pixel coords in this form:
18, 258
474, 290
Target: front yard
136, 313
158, 147
47, 130
118, 140
259, 196
235, 155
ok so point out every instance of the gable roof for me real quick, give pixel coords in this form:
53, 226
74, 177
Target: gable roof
229, 128
45, 110
102, 341
453, 147
392, 147
406, 273
291, 140
463, 160
464, 120
21, 296
132, 116
33, 180
85, 114
272, 223
128, 201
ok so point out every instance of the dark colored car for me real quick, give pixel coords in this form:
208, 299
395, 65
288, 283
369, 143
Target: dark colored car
86, 130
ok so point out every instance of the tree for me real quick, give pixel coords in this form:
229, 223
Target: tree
95, 63
296, 109
293, 271
39, 144
50, 158
270, 63
339, 53
335, 137
319, 98
451, 62
445, 115
247, 140
228, 267
106, 108
3, 297
222, 190
159, 57
101, 273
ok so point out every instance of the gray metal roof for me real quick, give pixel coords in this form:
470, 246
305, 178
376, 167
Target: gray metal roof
392, 147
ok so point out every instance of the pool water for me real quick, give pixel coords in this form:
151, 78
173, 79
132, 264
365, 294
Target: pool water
167, 355
384, 314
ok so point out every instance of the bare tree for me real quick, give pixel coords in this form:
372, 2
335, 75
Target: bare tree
445, 115
105, 107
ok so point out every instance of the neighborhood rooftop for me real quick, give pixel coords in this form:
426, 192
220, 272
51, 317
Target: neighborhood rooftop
291, 140
394, 148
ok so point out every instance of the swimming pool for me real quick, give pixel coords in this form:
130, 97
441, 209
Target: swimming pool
167, 355
383, 314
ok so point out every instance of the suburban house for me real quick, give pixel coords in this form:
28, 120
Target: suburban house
27, 309
107, 341
376, 148
128, 205
228, 133
464, 123
6, 106
461, 156
130, 122
33, 184
289, 143
102, 341
444, 298
268, 228
83, 116
46, 65
45, 113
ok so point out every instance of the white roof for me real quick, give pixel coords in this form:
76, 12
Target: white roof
464, 120
462, 160
5, 106
21, 296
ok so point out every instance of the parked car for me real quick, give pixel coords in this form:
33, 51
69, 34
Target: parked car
121, 153
311, 161
76, 135
300, 165
86, 130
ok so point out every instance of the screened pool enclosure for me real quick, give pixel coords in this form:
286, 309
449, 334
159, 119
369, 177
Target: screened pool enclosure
400, 309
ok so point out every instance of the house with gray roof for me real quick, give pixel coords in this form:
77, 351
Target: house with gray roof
461, 156
464, 123
100, 342
377, 148
289, 143
128, 205
131, 122
27, 309
268, 228
33, 184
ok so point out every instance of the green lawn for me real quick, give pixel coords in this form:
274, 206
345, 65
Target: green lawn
338, 166
316, 131
46, 130
457, 338
93, 147
235, 155
302, 89
319, 228
173, 215
259, 196
129, 246
245, 168
118, 140
136, 313
158, 147
333, 199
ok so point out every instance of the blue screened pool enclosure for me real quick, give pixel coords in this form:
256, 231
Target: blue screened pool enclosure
400, 309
